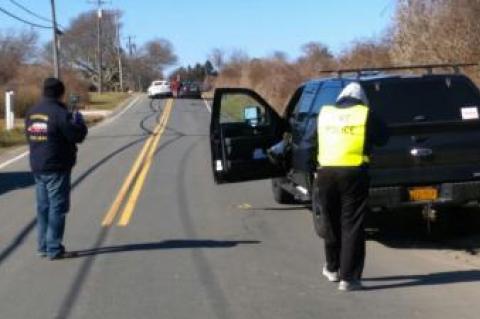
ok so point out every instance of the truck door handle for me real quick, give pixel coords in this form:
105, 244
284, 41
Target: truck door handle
421, 152
420, 118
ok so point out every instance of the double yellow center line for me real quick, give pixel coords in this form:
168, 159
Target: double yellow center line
136, 177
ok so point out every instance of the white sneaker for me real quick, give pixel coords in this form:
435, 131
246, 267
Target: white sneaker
330, 275
350, 285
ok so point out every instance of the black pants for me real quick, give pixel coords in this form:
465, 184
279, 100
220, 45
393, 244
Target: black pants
343, 195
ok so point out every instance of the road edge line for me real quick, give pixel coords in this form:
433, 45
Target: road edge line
209, 108
14, 159
116, 116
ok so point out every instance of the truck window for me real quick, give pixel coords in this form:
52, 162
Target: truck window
303, 107
294, 102
433, 100
233, 107
327, 96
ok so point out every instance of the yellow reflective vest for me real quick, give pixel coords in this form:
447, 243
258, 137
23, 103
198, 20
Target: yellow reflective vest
341, 136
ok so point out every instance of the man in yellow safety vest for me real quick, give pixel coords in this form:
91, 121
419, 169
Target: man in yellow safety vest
346, 133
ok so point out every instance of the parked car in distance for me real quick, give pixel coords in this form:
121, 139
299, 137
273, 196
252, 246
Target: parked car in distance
431, 161
190, 90
159, 89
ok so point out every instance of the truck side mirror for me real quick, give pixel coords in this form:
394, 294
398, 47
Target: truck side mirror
252, 115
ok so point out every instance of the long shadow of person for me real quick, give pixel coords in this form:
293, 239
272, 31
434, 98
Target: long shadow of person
163, 245
433, 279
7, 179
10, 181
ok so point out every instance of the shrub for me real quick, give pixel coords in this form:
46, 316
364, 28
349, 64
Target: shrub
11, 138
28, 85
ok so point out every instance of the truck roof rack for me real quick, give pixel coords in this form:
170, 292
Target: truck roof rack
375, 70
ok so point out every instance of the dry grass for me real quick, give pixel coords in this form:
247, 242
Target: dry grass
106, 101
28, 83
13, 137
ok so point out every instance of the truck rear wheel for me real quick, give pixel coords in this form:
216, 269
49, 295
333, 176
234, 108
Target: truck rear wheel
280, 195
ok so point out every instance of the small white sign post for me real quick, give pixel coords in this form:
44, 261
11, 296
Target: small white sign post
9, 110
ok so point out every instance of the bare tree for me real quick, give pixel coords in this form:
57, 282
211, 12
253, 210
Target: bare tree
238, 56
280, 56
217, 56
436, 31
363, 54
149, 62
16, 48
79, 44
159, 54
316, 56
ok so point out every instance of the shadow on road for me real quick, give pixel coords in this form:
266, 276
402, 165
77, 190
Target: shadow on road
6, 251
87, 263
118, 136
301, 209
165, 245
10, 181
456, 228
441, 278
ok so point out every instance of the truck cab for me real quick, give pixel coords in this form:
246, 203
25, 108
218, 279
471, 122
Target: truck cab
432, 158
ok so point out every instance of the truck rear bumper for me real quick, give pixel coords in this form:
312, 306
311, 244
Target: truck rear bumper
448, 194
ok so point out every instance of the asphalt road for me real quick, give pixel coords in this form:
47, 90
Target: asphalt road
179, 246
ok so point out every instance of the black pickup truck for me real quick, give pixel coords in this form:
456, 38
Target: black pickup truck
432, 158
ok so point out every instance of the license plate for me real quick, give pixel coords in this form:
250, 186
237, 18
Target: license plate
423, 194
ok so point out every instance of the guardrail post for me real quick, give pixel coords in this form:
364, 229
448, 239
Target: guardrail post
9, 110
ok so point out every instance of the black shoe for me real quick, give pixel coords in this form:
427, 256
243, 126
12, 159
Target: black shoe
63, 255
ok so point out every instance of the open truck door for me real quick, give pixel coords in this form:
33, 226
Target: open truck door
243, 127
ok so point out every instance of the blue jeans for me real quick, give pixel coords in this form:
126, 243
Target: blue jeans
53, 203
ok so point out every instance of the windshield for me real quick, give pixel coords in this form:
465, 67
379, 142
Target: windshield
422, 99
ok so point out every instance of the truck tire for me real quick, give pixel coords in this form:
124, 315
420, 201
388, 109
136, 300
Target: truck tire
280, 195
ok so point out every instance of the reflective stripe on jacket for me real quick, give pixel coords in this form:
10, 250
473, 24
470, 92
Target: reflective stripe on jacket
342, 135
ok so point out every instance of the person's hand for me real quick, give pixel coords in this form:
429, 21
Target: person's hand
77, 118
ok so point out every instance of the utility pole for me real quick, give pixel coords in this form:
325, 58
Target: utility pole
99, 4
56, 60
99, 50
119, 51
131, 45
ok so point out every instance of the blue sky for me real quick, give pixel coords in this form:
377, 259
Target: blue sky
259, 27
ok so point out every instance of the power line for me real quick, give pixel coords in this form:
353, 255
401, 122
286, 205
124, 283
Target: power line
32, 24
24, 8
21, 6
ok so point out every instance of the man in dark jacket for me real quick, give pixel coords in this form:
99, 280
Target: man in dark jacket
346, 133
52, 133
